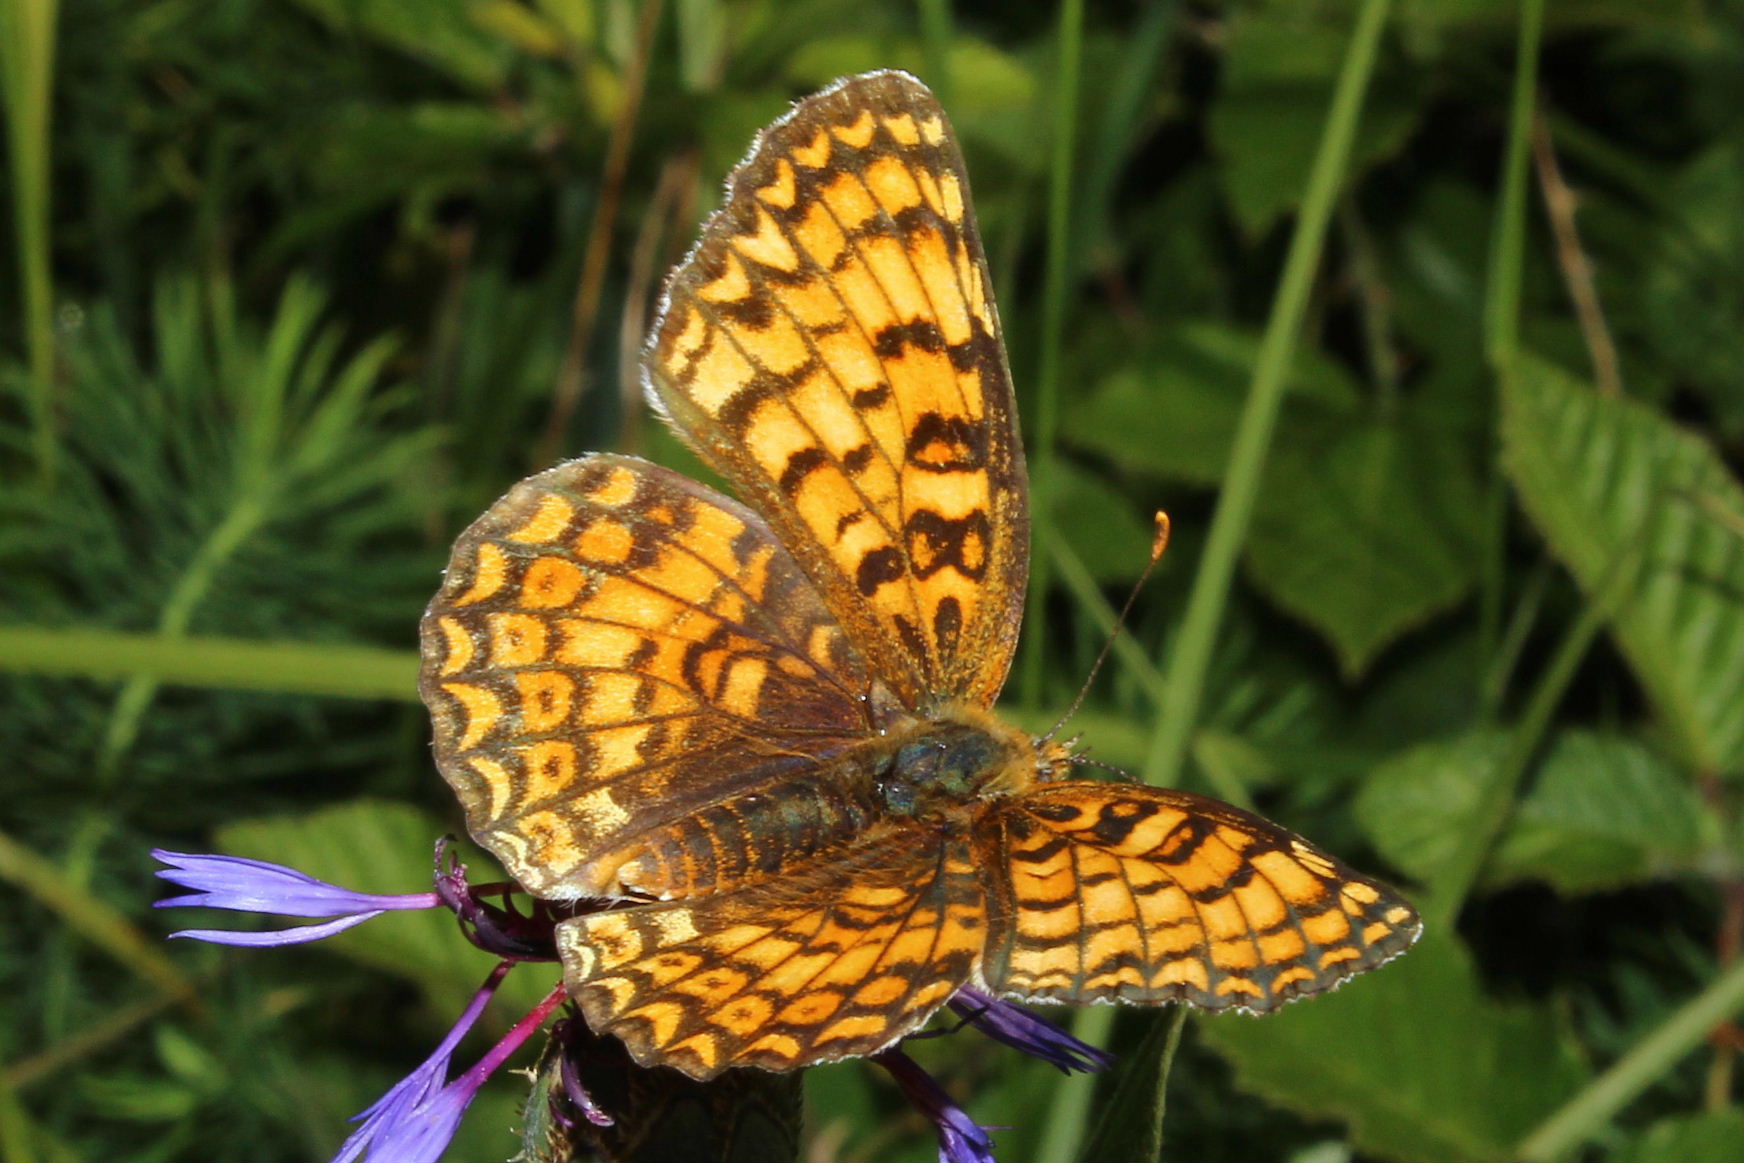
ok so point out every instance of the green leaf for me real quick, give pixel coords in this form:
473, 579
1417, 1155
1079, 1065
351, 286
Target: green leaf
1364, 531
988, 80
1103, 526
1414, 1057
1278, 73
1131, 1123
1711, 1137
1172, 411
1410, 806
1604, 812
1606, 478
380, 847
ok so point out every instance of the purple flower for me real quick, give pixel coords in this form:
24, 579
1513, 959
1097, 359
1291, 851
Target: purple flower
961, 1138
255, 886
1017, 1027
415, 1121
415, 1091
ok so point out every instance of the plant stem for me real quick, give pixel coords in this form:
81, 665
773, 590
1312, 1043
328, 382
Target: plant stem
1056, 283
572, 373
1490, 815
1502, 308
1192, 654
1587, 1113
27, 57
359, 672
935, 47
1508, 235
240, 523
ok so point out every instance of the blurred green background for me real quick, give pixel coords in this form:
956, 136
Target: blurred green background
1440, 382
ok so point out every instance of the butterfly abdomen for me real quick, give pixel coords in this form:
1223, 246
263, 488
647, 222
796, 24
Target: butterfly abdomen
749, 838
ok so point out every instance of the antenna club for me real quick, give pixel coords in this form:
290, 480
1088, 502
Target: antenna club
1160, 539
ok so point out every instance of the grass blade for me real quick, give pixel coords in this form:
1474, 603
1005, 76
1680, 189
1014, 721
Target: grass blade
1192, 655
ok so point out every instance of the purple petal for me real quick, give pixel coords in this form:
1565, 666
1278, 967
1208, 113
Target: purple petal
422, 1133
257, 886
407, 1095
417, 1089
1017, 1027
414, 1122
571, 1035
272, 938
961, 1138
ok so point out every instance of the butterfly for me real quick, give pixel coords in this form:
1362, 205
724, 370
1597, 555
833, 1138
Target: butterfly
760, 734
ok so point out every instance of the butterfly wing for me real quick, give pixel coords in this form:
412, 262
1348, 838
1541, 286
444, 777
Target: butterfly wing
1105, 891
615, 648
831, 348
838, 962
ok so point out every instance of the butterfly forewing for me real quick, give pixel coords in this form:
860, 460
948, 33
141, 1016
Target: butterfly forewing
614, 649
834, 964
831, 348
1114, 891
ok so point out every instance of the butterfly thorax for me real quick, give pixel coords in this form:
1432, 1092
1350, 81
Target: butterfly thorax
958, 756
917, 768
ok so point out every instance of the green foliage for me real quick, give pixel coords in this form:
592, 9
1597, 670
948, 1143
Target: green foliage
1366, 532
1603, 813
1717, 1136
1614, 486
286, 296
1460, 1079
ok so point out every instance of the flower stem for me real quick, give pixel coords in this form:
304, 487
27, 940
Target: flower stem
511, 1041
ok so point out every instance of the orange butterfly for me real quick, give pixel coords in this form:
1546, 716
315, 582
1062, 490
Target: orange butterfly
763, 733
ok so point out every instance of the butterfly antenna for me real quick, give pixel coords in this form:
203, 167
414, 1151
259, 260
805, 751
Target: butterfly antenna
1121, 773
1159, 542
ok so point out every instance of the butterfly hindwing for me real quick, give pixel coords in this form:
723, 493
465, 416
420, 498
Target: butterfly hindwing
837, 963
831, 347
1114, 891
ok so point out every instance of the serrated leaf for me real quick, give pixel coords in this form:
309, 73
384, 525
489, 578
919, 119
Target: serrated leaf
1610, 479
1603, 812
1414, 1057
381, 847
1172, 411
1364, 530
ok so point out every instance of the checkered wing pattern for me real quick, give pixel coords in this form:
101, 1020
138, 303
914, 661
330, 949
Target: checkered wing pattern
1121, 892
831, 348
618, 662
837, 963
